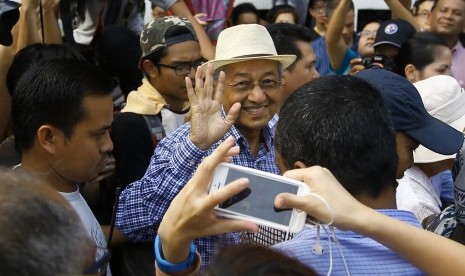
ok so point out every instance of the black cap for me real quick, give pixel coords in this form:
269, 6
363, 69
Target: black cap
394, 32
409, 114
9, 15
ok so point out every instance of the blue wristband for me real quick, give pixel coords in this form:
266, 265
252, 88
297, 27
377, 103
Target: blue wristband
168, 267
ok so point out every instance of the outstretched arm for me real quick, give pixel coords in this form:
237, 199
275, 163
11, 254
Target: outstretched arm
401, 9
206, 47
335, 44
433, 254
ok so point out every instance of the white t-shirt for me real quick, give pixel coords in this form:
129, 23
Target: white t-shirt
416, 194
171, 120
91, 224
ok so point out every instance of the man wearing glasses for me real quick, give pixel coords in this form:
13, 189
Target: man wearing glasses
170, 52
248, 74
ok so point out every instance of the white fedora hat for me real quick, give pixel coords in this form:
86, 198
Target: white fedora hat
246, 42
444, 99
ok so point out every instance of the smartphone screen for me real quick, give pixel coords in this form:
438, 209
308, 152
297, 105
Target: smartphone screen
258, 199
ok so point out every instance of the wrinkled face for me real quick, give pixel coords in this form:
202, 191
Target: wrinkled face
165, 79
348, 31
447, 18
318, 11
285, 18
423, 14
81, 157
405, 147
258, 105
247, 18
302, 72
440, 66
366, 39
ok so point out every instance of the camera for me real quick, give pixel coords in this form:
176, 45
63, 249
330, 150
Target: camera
373, 62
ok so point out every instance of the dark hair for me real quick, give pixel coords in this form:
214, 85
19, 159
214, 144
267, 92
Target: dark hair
417, 4
255, 260
274, 12
36, 53
243, 8
52, 93
331, 5
40, 233
285, 37
420, 50
341, 123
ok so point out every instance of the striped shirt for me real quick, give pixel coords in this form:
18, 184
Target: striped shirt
363, 255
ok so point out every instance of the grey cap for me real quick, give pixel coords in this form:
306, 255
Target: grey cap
165, 31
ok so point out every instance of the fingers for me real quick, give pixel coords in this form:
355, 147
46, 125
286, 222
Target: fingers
204, 172
208, 88
190, 91
225, 193
233, 114
219, 87
231, 225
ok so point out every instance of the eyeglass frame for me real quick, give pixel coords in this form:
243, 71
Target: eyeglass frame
252, 85
176, 69
370, 33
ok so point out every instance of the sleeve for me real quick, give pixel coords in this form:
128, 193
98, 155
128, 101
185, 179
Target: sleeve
132, 146
164, 4
143, 203
345, 65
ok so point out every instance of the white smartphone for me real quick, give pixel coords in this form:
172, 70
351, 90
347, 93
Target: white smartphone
256, 203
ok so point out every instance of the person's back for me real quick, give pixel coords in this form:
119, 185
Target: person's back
349, 131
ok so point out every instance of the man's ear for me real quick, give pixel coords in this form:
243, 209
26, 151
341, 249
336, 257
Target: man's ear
149, 68
47, 138
411, 72
299, 165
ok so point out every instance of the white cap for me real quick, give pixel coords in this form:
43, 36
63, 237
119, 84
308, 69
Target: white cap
444, 99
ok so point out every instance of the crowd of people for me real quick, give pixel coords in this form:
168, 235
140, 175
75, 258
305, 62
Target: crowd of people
112, 128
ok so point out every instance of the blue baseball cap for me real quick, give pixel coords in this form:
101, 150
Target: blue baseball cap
409, 114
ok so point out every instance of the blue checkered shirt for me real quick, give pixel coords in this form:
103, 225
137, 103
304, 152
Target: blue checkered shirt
144, 202
363, 255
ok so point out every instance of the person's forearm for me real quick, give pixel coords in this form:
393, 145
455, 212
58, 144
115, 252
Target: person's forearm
433, 254
335, 44
399, 10
206, 47
27, 33
51, 28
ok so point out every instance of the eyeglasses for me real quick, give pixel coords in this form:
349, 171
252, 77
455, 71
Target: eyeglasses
265, 85
423, 13
183, 69
99, 267
367, 33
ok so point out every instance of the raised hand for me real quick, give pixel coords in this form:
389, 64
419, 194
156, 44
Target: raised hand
191, 215
207, 125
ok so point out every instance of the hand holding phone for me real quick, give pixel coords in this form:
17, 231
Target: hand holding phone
256, 203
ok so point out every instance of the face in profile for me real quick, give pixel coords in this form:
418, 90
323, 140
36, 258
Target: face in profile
440, 66
84, 155
405, 147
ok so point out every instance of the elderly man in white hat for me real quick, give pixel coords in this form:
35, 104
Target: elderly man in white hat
246, 96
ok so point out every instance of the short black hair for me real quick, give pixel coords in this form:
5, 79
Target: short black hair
243, 8
285, 37
420, 50
331, 5
52, 92
417, 4
36, 53
341, 123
